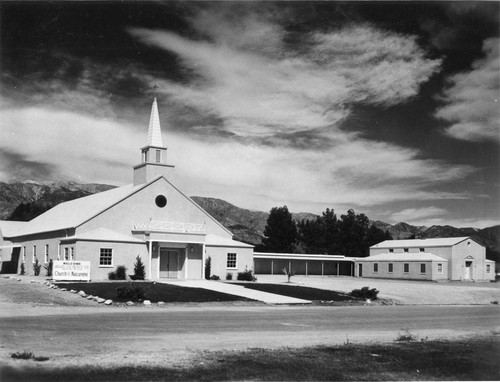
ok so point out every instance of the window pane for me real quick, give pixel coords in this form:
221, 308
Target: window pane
375, 267
106, 256
406, 268
422, 268
231, 260
390, 268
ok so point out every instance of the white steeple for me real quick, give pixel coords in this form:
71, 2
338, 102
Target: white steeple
154, 154
154, 131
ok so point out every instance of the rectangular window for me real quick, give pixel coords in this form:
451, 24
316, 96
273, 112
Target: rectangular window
231, 260
440, 268
488, 268
422, 268
422, 249
106, 257
391, 250
406, 249
34, 253
145, 156
66, 253
375, 267
72, 254
158, 156
406, 268
46, 260
390, 267
24, 254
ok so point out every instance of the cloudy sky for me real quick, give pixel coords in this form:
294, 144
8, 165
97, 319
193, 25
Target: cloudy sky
390, 109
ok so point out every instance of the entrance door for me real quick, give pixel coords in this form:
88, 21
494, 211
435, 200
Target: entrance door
468, 270
360, 269
169, 263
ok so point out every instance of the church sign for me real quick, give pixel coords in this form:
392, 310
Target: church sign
71, 271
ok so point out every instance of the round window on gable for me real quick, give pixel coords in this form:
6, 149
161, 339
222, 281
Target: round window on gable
161, 201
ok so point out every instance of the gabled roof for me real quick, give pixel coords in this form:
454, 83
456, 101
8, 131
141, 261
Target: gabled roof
404, 256
214, 240
412, 243
75, 212
10, 228
104, 234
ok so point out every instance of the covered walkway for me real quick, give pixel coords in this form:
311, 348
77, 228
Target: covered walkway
303, 264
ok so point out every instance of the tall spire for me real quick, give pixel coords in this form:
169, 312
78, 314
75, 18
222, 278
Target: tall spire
154, 130
154, 154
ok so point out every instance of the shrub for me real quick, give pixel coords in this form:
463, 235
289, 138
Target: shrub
48, 267
22, 271
365, 293
139, 269
246, 275
37, 267
229, 276
121, 272
208, 268
215, 277
112, 275
406, 336
22, 355
130, 292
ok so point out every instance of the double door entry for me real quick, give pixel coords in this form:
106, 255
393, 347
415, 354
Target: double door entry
169, 263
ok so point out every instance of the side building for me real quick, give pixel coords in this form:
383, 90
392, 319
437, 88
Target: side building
457, 259
150, 218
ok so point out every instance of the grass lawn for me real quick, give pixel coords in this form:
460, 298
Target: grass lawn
297, 291
475, 359
151, 291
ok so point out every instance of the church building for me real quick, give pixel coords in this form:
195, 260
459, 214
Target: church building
150, 218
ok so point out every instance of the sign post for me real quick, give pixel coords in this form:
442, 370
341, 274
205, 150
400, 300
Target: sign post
71, 270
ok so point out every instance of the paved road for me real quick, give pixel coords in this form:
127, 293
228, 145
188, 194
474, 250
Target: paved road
174, 335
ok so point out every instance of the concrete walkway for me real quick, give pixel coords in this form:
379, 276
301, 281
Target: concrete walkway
217, 286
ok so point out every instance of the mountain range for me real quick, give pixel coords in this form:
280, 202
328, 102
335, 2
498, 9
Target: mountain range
26, 200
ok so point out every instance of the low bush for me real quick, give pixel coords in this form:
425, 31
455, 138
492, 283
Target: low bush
22, 271
214, 277
229, 276
365, 293
120, 273
130, 292
22, 355
246, 275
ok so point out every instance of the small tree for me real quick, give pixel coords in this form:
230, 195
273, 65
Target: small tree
22, 271
208, 268
289, 273
48, 267
36, 267
139, 269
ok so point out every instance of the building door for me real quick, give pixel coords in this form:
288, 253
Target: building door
169, 263
360, 270
468, 270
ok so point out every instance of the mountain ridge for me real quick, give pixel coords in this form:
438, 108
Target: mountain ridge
29, 199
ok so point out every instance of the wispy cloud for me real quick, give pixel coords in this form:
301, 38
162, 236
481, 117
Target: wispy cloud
472, 99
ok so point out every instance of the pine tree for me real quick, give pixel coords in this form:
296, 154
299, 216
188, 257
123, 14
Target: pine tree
280, 232
139, 269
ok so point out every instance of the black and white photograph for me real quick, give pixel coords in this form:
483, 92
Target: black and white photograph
249, 190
